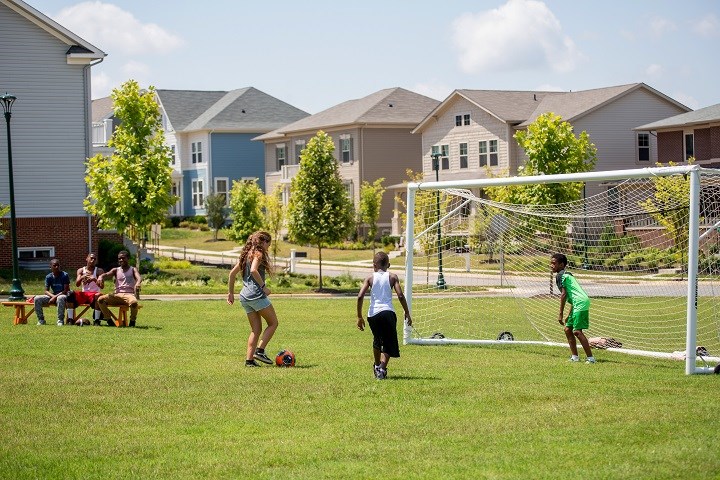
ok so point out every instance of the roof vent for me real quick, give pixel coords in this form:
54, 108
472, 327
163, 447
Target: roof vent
390, 105
534, 97
243, 110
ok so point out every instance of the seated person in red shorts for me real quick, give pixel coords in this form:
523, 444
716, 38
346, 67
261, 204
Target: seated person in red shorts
86, 279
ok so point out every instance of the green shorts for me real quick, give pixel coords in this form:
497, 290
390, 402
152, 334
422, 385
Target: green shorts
579, 320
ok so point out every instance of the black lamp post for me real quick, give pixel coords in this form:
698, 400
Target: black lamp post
16, 292
436, 166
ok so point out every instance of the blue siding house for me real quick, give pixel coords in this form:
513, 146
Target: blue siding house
210, 134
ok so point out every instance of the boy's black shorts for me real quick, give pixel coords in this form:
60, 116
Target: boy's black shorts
384, 329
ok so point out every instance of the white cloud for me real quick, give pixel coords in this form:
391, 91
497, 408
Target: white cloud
521, 34
687, 100
708, 27
116, 31
433, 90
661, 26
101, 84
654, 70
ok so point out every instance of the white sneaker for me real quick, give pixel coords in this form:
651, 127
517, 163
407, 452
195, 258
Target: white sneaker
60, 323
574, 359
590, 360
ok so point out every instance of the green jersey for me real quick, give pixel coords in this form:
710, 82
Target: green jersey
576, 296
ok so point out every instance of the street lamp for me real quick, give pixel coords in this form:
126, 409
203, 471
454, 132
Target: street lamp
436, 166
16, 292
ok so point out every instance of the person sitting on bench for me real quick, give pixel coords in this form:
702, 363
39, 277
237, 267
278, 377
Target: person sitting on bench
127, 287
57, 286
86, 279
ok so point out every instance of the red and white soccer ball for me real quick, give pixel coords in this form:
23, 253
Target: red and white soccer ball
285, 358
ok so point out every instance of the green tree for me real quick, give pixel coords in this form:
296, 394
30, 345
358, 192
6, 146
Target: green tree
130, 190
246, 204
216, 212
369, 208
669, 204
320, 212
552, 148
4, 210
274, 215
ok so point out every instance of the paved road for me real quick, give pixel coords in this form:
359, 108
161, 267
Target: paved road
524, 286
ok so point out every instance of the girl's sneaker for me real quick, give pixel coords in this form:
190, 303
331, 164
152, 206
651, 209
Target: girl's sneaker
590, 360
251, 363
262, 357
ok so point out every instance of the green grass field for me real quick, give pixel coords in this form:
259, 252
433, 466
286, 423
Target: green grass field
172, 399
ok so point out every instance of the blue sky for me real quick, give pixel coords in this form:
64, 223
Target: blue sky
316, 54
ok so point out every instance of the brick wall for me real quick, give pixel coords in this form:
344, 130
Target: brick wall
702, 144
69, 236
670, 147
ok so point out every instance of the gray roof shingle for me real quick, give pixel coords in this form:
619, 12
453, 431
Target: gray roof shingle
702, 115
245, 109
391, 106
102, 108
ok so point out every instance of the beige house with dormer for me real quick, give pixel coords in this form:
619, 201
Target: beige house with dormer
373, 139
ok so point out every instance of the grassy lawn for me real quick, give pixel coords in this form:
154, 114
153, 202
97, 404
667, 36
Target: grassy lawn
171, 399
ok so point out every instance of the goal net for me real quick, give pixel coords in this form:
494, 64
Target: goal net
644, 244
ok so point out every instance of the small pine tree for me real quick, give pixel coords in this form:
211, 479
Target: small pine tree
246, 203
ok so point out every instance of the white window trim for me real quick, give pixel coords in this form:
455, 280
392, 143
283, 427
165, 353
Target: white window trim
281, 147
351, 156
227, 188
176, 209
639, 147
198, 193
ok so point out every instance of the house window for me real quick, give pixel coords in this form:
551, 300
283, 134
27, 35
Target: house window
299, 147
196, 148
175, 191
482, 146
643, 147
349, 190
221, 187
172, 155
613, 199
493, 153
462, 120
445, 157
346, 148
198, 197
35, 253
689, 145
280, 156
463, 155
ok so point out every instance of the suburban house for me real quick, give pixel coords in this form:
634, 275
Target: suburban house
47, 68
472, 130
103, 125
692, 134
210, 136
373, 139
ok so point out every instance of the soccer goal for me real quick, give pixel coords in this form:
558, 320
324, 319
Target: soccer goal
643, 243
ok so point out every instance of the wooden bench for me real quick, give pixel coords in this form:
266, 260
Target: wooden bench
23, 310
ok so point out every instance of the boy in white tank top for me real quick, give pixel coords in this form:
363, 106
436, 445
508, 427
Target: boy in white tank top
381, 314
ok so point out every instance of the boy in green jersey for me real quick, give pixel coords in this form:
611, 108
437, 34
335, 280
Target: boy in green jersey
579, 317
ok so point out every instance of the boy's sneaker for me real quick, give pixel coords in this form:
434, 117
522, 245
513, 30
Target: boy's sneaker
376, 370
41, 322
251, 363
590, 360
382, 374
262, 357
96, 323
574, 359
60, 323
110, 322
132, 323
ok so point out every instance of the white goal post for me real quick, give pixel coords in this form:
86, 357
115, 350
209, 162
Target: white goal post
644, 244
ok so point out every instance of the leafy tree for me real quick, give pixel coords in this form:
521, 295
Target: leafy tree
320, 212
274, 215
4, 210
130, 190
669, 203
216, 212
246, 204
552, 148
369, 208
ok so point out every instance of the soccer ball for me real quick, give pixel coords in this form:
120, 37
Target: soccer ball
285, 358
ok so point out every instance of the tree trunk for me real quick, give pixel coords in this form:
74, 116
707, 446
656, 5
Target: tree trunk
320, 282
